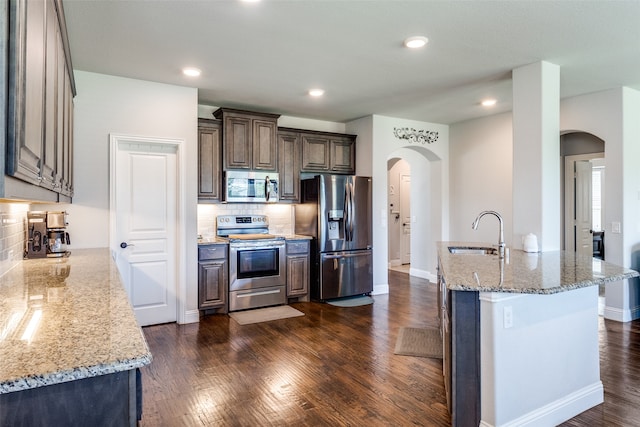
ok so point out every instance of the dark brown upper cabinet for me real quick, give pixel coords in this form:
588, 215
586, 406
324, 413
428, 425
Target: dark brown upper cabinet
39, 93
249, 139
328, 153
289, 147
209, 160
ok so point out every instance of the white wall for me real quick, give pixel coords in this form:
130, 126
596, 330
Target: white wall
376, 133
481, 154
108, 104
481, 179
206, 112
612, 116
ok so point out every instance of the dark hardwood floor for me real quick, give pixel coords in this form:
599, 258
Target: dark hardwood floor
335, 367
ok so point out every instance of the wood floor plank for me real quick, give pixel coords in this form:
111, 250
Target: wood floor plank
335, 366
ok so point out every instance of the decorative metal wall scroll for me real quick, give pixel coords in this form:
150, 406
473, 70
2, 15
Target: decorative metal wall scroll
416, 135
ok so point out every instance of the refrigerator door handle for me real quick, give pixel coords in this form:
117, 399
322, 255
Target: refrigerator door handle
347, 213
351, 211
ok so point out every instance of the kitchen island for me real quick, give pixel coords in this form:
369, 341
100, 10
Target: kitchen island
520, 335
70, 346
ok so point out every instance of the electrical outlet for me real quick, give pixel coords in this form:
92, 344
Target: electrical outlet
615, 227
507, 315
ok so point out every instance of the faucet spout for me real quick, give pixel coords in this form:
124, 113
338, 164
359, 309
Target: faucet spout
501, 244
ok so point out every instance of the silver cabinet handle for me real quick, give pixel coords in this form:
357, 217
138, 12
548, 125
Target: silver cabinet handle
124, 245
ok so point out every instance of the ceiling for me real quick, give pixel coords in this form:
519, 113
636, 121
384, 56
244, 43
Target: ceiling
265, 56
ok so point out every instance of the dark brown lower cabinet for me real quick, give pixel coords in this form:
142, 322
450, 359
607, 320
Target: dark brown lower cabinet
297, 268
212, 277
101, 401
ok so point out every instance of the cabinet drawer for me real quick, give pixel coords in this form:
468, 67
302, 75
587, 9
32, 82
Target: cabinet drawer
299, 247
212, 252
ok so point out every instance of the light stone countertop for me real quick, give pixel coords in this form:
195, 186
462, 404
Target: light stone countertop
87, 326
521, 272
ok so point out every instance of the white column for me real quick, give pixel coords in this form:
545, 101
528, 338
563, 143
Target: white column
536, 154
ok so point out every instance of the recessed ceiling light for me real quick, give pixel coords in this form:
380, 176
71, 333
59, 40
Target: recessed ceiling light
316, 92
191, 72
489, 102
416, 42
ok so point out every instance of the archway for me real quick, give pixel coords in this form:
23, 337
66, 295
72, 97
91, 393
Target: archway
423, 223
399, 215
582, 154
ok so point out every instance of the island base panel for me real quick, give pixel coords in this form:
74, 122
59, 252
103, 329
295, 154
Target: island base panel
105, 400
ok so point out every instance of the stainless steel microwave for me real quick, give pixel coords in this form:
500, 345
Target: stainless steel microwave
251, 187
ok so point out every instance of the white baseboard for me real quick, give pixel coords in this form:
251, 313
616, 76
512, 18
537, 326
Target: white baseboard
190, 316
621, 315
423, 274
394, 263
380, 289
560, 410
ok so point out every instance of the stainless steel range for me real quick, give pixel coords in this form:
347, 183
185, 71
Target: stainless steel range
257, 274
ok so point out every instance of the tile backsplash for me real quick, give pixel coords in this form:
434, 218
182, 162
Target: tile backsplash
281, 220
13, 219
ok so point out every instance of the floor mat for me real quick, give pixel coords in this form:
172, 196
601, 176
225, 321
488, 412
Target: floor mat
267, 314
351, 302
421, 342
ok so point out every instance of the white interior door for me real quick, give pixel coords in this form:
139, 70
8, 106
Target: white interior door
144, 194
584, 220
405, 212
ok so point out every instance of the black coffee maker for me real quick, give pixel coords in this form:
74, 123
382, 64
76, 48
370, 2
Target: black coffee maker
57, 236
37, 239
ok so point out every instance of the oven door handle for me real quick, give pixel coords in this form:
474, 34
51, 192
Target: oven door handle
248, 246
343, 256
253, 294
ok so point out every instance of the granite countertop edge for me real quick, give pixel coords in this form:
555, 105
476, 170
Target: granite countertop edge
34, 381
464, 272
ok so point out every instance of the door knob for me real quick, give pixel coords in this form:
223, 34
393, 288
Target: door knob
123, 245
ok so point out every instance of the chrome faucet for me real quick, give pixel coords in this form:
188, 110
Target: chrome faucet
501, 237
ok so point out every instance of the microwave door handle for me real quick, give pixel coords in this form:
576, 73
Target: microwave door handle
267, 193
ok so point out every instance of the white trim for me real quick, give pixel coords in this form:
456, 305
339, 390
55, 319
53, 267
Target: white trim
380, 289
190, 316
620, 315
560, 410
182, 316
423, 274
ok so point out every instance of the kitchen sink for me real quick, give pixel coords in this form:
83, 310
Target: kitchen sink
467, 250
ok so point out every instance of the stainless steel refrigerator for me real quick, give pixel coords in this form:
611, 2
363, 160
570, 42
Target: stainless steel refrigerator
336, 212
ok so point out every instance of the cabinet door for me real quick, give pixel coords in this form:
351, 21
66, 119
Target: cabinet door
315, 153
209, 171
27, 97
212, 284
265, 148
67, 149
49, 162
297, 275
237, 142
289, 165
343, 155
